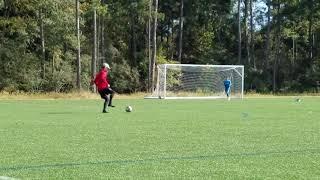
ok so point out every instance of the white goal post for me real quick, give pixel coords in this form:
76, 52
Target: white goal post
191, 81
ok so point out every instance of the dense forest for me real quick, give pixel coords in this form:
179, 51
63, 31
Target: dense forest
57, 45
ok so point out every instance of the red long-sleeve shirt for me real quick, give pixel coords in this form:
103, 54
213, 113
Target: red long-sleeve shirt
101, 79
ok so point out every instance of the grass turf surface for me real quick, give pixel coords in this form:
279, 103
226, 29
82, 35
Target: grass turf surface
167, 139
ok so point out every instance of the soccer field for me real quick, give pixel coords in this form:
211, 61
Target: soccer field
276, 138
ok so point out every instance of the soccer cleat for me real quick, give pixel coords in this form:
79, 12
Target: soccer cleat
104, 111
111, 106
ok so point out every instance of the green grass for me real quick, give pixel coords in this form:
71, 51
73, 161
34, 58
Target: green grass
256, 138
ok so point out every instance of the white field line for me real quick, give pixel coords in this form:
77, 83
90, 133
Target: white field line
278, 97
7, 178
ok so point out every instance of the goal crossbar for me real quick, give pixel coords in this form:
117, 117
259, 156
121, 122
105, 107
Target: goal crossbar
202, 65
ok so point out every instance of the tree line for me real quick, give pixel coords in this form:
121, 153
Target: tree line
54, 45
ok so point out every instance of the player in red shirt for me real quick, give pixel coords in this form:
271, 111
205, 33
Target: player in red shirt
102, 83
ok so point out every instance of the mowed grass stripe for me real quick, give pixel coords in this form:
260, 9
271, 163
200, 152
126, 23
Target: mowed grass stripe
137, 161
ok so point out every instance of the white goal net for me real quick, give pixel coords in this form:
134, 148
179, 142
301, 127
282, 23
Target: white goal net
188, 81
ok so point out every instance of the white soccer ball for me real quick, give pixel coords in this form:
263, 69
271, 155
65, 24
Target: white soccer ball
128, 109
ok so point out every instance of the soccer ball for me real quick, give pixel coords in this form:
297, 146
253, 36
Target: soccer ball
128, 109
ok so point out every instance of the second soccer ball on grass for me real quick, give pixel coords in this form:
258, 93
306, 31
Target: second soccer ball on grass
128, 109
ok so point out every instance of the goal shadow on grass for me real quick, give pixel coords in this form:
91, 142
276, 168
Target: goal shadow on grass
141, 161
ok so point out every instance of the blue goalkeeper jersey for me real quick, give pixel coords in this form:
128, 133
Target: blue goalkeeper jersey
227, 84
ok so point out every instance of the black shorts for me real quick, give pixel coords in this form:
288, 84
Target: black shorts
105, 92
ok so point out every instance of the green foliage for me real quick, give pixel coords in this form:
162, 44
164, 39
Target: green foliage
209, 37
59, 81
124, 79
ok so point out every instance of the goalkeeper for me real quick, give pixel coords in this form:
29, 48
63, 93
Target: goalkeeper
227, 86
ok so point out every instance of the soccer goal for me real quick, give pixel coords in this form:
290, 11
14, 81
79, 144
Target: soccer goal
190, 81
